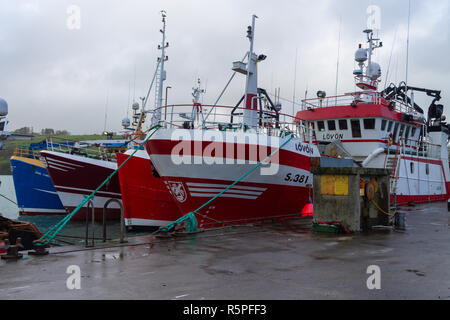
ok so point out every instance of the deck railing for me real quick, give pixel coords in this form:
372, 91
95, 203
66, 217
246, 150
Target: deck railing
355, 98
228, 118
26, 152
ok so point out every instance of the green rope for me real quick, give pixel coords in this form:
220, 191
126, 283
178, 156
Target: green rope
51, 234
190, 219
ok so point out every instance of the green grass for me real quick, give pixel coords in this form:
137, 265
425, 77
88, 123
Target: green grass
10, 146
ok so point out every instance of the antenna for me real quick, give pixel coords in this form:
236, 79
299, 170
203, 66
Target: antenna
390, 57
134, 85
407, 42
106, 109
337, 62
295, 80
129, 92
160, 74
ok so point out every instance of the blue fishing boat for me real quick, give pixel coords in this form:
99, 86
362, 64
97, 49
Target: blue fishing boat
35, 192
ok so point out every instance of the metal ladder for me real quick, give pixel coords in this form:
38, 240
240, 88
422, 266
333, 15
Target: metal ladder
157, 81
393, 164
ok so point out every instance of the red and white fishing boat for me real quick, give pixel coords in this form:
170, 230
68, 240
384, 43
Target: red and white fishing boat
198, 158
385, 129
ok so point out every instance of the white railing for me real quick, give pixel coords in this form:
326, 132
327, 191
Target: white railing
355, 98
228, 118
90, 150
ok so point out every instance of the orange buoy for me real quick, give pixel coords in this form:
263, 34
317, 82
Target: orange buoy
308, 209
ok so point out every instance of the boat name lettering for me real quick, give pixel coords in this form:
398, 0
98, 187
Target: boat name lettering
332, 136
304, 148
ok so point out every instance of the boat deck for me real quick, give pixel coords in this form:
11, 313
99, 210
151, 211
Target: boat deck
273, 261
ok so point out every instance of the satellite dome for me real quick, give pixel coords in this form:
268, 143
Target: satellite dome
135, 106
374, 71
126, 122
361, 55
3, 107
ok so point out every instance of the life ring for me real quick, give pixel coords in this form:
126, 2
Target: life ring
369, 191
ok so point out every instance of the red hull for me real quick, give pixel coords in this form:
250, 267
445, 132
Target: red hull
405, 199
145, 198
233, 211
75, 177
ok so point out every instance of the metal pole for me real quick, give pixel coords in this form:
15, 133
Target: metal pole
104, 224
122, 224
87, 225
88, 205
165, 109
93, 225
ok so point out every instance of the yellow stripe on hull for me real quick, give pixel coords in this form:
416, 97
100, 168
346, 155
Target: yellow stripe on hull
34, 162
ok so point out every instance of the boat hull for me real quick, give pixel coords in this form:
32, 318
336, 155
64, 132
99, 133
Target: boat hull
76, 176
277, 193
35, 192
145, 198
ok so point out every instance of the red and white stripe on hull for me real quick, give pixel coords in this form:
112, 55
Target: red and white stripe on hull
282, 192
75, 176
244, 203
145, 198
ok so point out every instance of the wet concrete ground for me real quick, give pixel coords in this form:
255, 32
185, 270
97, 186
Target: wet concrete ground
282, 261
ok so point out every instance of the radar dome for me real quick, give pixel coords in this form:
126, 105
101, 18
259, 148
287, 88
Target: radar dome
126, 122
374, 71
135, 106
361, 55
3, 107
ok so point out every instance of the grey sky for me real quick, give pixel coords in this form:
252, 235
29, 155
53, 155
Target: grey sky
59, 78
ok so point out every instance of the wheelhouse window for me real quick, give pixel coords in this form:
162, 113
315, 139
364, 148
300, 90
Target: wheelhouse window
407, 134
343, 124
369, 124
402, 130
394, 135
331, 125
413, 132
320, 125
356, 128
383, 124
389, 126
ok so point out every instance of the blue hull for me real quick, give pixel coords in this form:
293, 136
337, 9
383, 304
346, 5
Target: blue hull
35, 191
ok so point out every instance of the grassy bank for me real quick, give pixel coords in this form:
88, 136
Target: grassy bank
10, 146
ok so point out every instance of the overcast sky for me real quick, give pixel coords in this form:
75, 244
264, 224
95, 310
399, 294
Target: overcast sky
56, 77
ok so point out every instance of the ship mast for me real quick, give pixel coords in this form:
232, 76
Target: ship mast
251, 87
160, 72
368, 80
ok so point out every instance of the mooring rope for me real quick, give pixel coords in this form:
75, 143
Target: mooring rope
1, 195
51, 234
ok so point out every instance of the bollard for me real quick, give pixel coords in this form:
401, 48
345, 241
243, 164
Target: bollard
12, 251
39, 248
400, 220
